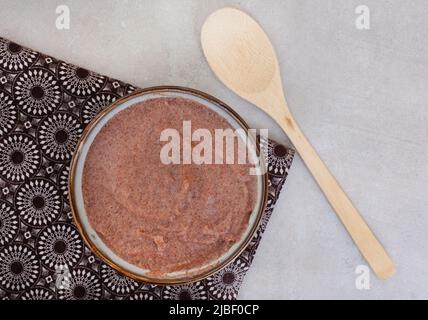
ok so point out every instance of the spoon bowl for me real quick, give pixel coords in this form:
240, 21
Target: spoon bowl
252, 71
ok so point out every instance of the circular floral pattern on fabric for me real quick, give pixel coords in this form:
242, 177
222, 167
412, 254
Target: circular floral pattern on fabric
264, 221
38, 293
59, 245
14, 58
278, 158
225, 284
265, 217
20, 158
19, 267
9, 223
93, 106
37, 92
78, 81
58, 136
38, 202
62, 182
116, 283
83, 284
144, 295
8, 113
188, 291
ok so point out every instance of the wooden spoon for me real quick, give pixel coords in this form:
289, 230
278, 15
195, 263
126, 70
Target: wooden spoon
241, 55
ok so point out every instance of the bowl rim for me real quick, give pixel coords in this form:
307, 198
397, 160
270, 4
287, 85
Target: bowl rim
147, 279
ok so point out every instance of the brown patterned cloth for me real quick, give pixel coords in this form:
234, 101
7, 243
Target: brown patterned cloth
45, 104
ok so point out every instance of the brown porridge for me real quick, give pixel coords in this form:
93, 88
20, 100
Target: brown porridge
164, 218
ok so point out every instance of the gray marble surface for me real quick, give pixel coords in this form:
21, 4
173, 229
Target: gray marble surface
360, 95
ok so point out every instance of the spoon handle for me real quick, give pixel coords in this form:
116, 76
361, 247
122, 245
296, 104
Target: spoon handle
363, 237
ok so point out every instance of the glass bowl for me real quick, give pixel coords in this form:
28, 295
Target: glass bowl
76, 196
